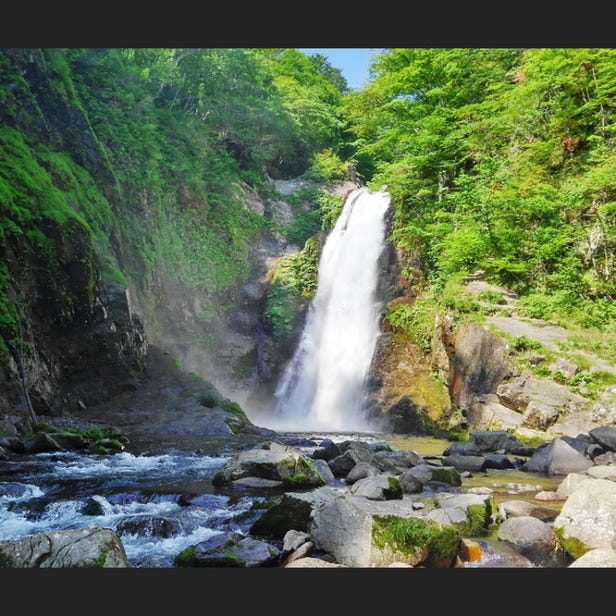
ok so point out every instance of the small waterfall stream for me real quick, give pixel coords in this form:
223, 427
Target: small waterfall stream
322, 388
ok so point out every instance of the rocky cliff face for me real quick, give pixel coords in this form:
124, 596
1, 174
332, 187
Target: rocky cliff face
502, 372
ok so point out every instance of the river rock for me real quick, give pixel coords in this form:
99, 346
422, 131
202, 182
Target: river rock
534, 539
557, 458
85, 547
588, 516
598, 557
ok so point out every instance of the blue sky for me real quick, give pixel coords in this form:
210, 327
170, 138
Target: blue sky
352, 62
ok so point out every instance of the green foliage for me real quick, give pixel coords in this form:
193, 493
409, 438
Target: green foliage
101, 559
501, 160
493, 297
186, 557
230, 406
523, 343
408, 535
280, 310
330, 207
304, 226
327, 167
219, 479
150, 151
394, 490
295, 481
574, 547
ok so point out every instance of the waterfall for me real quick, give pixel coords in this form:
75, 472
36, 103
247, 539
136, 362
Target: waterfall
322, 388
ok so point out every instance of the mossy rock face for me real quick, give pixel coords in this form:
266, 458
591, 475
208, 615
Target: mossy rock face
395, 490
301, 472
482, 518
231, 550
415, 541
288, 514
448, 475
573, 546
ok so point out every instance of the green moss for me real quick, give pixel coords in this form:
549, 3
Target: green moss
233, 407
281, 310
264, 504
101, 559
211, 398
573, 546
395, 490
293, 481
107, 446
219, 479
278, 520
478, 520
411, 535
186, 557
299, 471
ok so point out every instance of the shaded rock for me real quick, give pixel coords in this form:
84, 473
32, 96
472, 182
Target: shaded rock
396, 461
477, 365
40, 442
535, 540
410, 483
473, 464
229, 550
557, 458
428, 473
343, 464
604, 436
406, 417
149, 527
499, 462
360, 471
494, 441
328, 450
463, 448
362, 450
94, 506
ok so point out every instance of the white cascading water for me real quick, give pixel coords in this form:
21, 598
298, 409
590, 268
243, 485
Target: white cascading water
322, 388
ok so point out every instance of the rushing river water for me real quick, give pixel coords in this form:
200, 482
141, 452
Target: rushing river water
161, 502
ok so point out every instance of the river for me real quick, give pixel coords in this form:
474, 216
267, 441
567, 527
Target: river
161, 500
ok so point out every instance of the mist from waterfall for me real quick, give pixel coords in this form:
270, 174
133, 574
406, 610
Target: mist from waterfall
323, 386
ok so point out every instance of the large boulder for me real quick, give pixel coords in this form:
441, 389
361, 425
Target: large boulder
557, 458
229, 550
358, 531
275, 462
85, 547
587, 519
